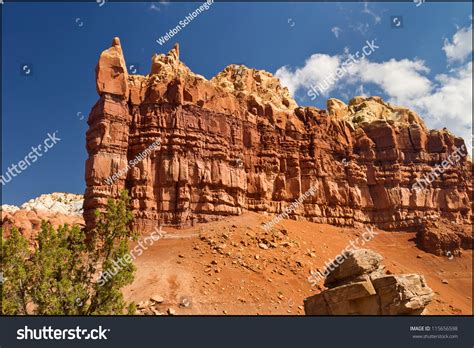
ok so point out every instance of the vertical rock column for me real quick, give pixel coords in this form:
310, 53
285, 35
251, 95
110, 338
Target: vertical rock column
107, 136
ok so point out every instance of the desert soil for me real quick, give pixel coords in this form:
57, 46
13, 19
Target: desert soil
234, 267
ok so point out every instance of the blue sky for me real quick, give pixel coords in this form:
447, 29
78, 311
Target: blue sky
425, 65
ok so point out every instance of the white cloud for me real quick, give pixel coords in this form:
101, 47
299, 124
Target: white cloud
444, 101
459, 48
316, 68
402, 80
450, 102
336, 31
392, 76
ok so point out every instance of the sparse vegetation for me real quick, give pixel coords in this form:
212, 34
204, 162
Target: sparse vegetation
58, 275
358, 119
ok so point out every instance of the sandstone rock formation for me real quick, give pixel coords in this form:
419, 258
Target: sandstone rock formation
111, 71
445, 239
58, 208
56, 202
360, 286
239, 142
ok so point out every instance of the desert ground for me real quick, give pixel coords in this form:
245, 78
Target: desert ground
235, 267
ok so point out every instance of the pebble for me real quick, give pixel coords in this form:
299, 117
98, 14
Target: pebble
157, 298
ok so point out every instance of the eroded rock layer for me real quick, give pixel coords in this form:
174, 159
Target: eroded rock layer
239, 142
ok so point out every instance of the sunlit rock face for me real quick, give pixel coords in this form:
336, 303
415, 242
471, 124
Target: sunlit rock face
240, 142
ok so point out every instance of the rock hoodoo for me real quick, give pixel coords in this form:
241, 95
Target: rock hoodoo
239, 142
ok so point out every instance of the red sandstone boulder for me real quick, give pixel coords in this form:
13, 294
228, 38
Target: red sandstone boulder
439, 243
445, 239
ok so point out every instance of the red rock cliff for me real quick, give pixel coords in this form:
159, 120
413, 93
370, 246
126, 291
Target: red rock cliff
239, 142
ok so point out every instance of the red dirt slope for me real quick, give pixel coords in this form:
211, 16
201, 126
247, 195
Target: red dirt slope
235, 267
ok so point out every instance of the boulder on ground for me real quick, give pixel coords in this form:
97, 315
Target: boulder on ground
359, 285
356, 263
441, 243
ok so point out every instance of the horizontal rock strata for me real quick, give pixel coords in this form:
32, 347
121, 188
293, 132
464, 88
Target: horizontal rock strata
239, 142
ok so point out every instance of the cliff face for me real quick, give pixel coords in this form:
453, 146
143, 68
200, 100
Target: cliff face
239, 142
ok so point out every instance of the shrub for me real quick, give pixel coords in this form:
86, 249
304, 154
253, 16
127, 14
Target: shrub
59, 275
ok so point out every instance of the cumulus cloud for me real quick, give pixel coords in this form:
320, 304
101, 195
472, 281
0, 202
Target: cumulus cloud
445, 100
460, 47
450, 102
402, 80
316, 68
392, 76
